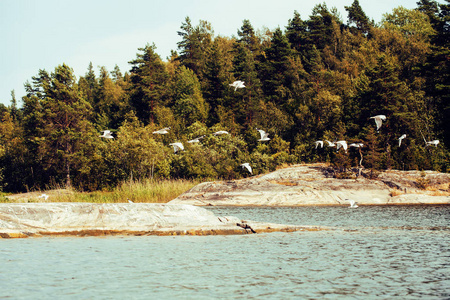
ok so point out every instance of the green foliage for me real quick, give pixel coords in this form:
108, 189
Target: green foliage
318, 79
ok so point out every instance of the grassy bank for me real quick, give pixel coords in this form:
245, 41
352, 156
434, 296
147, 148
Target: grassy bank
148, 191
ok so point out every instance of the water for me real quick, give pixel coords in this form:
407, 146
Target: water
376, 253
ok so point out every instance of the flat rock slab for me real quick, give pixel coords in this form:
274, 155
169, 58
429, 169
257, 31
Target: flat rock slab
303, 185
90, 219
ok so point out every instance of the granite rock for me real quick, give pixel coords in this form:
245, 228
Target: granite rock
302, 185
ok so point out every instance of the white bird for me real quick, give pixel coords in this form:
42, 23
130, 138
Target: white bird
44, 196
177, 147
352, 203
264, 135
356, 145
196, 140
341, 144
162, 131
319, 143
400, 139
106, 134
379, 120
220, 132
331, 144
435, 143
237, 85
129, 201
248, 167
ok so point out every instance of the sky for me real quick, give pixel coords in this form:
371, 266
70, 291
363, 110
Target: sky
42, 34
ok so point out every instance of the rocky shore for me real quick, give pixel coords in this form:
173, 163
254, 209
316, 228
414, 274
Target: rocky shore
20, 220
316, 184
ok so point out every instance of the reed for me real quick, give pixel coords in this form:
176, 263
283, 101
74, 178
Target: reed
146, 190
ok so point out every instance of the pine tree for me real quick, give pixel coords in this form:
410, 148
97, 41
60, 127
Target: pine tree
274, 66
296, 32
357, 16
148, 87
195, 41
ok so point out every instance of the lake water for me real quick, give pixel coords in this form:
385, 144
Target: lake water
378, 252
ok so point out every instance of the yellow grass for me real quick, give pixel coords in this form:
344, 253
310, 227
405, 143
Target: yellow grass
148, 191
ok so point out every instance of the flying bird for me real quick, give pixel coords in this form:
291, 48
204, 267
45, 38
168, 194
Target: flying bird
220, 132
162, 131
379, 120
106, 134
237, 84
331, 144
400, 139
177, 147
248, 167
435, 143
196, 140
356, 145
319, 143
341, 144
264, 135
44, 196
353, 204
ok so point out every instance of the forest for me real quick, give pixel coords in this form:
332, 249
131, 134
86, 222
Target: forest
319, 78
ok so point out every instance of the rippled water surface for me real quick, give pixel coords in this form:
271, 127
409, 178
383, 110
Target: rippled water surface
374, 253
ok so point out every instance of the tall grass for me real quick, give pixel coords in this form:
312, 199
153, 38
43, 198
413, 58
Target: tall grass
147, 190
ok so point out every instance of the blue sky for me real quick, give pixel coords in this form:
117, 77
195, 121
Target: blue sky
46, 33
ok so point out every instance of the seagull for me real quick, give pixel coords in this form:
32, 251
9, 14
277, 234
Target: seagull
435, 143
196, 140
162, 131
356, 145
352, 203
106, 134
238, 85
248, 167
330, 144
177, 147
342, 144
400, 139
264, 135
319, 143
220, 132
379, 120
44, 196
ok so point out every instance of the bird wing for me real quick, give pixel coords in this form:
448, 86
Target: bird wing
378, 121
262, 133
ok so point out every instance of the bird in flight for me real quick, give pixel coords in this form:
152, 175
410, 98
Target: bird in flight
400, 139
353, 204
162, 131
44, 196
341, 144
220, 132
331, 144
177, 147
264, 135
248, 167
356, 145
379, 120
435, 143
319, 143
196, 140
237, 85
106, 134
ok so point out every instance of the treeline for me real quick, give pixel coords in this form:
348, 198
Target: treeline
316, 79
